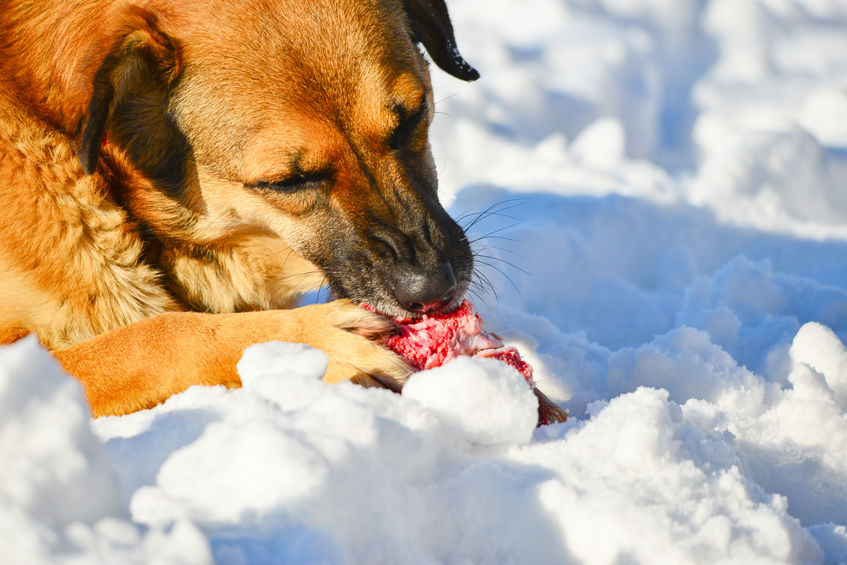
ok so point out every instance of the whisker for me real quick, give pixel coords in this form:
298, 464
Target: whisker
496, 209
491, 290
489, 236
495, 258
448, 97
303, 274
505, 275
485, 255
487, 247
211, 224
502, 215
484, 281
479, 284
498, 230
478, 297
320, 289
492, 208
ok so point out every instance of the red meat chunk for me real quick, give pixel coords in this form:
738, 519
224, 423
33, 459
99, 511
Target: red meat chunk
434, 340
431, 341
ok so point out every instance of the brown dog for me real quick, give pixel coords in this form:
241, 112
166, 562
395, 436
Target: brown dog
174, 174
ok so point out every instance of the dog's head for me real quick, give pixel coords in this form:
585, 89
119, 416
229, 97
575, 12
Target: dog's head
306, 122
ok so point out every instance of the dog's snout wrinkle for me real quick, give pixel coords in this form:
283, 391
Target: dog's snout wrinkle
388, 244
427, 233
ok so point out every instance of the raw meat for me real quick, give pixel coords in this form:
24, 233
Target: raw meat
434, 340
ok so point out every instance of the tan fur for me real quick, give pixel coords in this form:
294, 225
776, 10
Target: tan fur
140, 293
73, 258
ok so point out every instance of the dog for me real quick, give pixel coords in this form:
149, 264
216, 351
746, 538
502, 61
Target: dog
174, 175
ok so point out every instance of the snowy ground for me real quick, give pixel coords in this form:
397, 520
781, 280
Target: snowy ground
668, 182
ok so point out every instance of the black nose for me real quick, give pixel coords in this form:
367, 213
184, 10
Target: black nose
420, 290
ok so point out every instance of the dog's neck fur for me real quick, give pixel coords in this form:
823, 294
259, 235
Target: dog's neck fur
81, 275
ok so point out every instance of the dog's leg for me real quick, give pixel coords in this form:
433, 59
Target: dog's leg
141, 365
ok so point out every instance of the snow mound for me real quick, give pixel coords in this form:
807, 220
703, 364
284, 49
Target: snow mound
642, 482
816, 349
60, 498
486, 401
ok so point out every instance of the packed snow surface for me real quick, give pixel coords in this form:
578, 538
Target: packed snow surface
657, 191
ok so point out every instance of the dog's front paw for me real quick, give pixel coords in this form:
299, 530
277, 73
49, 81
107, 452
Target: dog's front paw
352, 337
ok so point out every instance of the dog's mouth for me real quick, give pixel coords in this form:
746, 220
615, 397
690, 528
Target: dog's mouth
403, 281
393, 292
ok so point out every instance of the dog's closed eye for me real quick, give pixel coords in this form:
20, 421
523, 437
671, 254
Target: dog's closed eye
294, 183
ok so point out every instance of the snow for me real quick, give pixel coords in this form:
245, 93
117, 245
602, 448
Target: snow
667, 237
484, 401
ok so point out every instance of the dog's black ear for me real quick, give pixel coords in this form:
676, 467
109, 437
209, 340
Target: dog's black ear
88, 150
431, 27
141, 63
